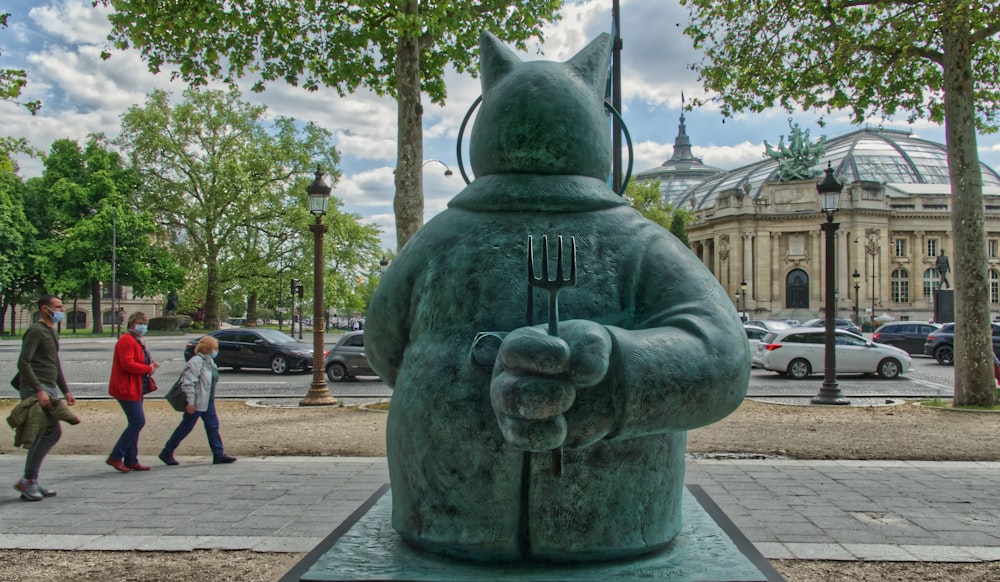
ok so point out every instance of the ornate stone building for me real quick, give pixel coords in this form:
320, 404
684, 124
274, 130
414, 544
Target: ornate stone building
895, 219
78, 311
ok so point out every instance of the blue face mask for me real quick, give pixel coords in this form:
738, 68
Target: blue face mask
57, 316
140, 329
215, 353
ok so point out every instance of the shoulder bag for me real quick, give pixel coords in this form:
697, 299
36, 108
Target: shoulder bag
175, 396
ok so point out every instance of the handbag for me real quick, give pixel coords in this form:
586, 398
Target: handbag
175, 396
149, 385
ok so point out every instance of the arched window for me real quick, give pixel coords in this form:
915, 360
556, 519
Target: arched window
797, 290
900, 286
76, 320
994, 286
932, 280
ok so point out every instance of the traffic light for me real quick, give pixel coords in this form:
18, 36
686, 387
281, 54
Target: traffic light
295, 286
301, 291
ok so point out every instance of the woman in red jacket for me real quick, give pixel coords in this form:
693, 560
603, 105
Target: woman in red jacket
130, 372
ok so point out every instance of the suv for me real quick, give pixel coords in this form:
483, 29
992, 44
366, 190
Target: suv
907, 335
941, 343
347, 359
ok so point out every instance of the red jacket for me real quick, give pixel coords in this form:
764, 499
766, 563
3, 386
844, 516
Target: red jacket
127, 369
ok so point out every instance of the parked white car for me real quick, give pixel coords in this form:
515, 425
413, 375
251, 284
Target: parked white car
754, 335
801, 352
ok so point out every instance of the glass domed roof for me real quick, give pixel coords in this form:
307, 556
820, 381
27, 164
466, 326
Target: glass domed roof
885, 156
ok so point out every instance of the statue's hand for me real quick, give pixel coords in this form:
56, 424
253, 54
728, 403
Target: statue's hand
538, 378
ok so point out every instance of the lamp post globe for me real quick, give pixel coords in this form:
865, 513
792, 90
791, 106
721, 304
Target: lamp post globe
829, 190
319, 197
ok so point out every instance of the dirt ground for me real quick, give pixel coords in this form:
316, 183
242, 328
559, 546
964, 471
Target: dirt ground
893, 432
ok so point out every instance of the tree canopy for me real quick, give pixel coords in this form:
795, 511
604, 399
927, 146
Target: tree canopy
12, 81
647, 199
223, 179
91, 228
392, 48
936, 60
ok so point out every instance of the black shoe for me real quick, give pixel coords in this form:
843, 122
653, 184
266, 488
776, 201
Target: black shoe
168, 458
222, 459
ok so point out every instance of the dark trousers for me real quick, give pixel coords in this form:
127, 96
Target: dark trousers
211, 422
41, 447
127, 447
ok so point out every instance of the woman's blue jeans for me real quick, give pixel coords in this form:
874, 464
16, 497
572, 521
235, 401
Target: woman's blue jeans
211, 422
127, 447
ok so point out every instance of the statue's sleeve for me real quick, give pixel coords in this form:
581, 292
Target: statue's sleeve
392, 303
684, 361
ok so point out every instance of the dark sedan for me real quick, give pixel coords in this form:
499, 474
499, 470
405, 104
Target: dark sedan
905, 335
258, 348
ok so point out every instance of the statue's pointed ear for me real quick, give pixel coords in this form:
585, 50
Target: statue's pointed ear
495, 59
592, 63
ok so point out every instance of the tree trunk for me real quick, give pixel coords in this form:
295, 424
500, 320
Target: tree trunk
252, 309
974, 381
408, 202
95, 307
211, 295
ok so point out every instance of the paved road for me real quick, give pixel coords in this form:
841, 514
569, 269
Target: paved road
86, 363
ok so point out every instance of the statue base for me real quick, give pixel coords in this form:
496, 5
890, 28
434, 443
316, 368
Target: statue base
365, 547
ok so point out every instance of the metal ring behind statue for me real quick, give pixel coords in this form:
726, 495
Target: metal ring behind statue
607, 106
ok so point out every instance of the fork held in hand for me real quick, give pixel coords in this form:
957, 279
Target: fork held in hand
553, 286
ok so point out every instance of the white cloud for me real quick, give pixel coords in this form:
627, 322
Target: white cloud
73, 21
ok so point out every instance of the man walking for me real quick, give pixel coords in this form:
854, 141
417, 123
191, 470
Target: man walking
41, 376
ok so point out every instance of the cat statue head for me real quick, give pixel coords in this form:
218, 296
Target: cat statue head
542, 117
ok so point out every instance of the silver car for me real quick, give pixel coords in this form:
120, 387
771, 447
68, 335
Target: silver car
346, 359
800, 352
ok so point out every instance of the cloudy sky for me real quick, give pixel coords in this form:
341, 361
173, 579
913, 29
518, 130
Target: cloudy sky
59, 42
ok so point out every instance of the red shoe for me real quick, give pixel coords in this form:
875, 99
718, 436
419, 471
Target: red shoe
118, 465
138, 467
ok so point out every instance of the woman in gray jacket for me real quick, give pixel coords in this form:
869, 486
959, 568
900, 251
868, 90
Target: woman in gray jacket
198, 384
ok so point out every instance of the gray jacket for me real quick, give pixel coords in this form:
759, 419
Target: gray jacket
196, 380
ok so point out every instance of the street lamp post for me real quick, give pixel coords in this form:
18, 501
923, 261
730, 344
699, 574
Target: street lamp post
871, 248
447, 170
743, 294
856, 276
319, 196
829, 193
300, 289
116, 322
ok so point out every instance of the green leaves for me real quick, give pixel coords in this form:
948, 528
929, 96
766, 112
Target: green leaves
871, 59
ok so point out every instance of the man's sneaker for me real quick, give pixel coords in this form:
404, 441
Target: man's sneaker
223, 459
29, 490
45, 491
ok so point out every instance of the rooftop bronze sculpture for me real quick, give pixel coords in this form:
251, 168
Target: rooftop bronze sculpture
648, 343
797, 159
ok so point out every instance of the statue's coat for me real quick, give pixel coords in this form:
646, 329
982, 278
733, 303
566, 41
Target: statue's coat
680, 358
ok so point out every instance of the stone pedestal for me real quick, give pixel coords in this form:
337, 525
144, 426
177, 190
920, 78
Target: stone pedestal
365, 547
944, 305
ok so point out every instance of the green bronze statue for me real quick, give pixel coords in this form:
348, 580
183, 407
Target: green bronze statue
796, 160
489, 397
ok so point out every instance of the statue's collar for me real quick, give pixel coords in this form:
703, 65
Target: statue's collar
536, 193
